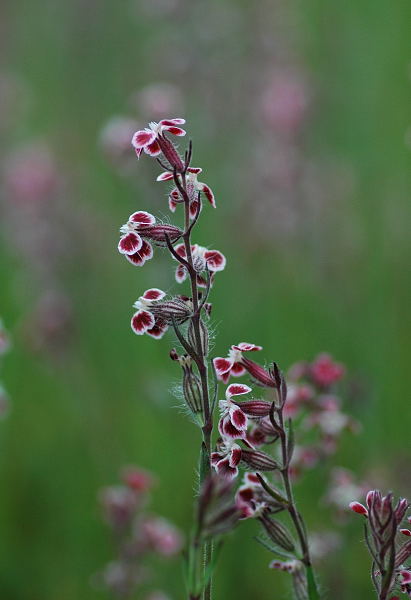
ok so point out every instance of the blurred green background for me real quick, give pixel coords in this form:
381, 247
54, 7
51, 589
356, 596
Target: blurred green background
300, 116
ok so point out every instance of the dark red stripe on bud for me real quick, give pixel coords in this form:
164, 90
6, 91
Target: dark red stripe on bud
255, 408
403, 554
170, 153
278, 533
258, 373
192, 389
258, 461
172, 310
159, 233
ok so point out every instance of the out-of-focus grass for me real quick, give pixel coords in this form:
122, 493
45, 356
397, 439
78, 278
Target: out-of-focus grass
343, 289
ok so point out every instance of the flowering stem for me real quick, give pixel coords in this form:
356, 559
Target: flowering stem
201, 362
296, 518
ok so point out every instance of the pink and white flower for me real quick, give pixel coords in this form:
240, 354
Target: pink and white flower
203, 258
141, 229
233, 422
151, 139
193, 187
225, 460
236, 365
325, 371
143, 321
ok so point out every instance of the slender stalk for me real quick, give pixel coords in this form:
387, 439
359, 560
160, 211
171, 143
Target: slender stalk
201, 362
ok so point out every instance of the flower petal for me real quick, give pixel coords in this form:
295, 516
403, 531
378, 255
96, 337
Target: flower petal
158, 330
141, 321
246, 347
142, 218
143, 138
174, 130
235, 456
195, 170
181, 274
165, 176
153, 149
207, 193
172, 204
193, 209
215, 260
224, 469
228, 429
154, 294
130, 243
238, 418
358, 508
172, 122
237, 370
222, 365
236, 389
139, 258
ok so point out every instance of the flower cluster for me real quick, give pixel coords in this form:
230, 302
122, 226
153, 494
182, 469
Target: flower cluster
138, 533
390, 569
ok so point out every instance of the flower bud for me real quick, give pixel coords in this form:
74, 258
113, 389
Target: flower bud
258, 461
192, 338
255, 408
174, 310
159, 233
278, 533
192, 389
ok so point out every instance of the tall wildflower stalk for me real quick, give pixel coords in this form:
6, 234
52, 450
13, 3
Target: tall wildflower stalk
243, 426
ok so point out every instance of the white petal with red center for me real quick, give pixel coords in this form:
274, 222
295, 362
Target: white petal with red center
358, 508
181, 250
138, 151
172, 122
158, 330
406, 532
130, 243
139, 258
237, 389
222, 365
181, 274
166, 176
246, 347
141, 217
228, 429
141, 321
224, 469
195, 170
153, 149
172, 204
153, 294
215, 457
193, 208
143, 138
207, 193
238, 418
174, 130
215, 260
237, 370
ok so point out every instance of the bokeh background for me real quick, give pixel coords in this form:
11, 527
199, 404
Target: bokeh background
300, 115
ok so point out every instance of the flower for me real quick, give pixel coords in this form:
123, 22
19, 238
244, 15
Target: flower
143, 321
141, 227
193, 187
324, 371
233, 422
153, 142
226, 458
202, 258
236, 365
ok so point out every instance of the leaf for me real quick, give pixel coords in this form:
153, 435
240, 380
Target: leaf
311, 585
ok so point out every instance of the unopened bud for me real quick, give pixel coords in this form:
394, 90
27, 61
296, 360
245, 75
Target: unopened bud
172, 311
192, 337
258, 461
278, 533
192, 389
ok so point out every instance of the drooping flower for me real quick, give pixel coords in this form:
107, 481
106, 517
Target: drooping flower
236, 365
233, 422
144, 321
225, 460
141, 229
153, 141
203, 258
193, 188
